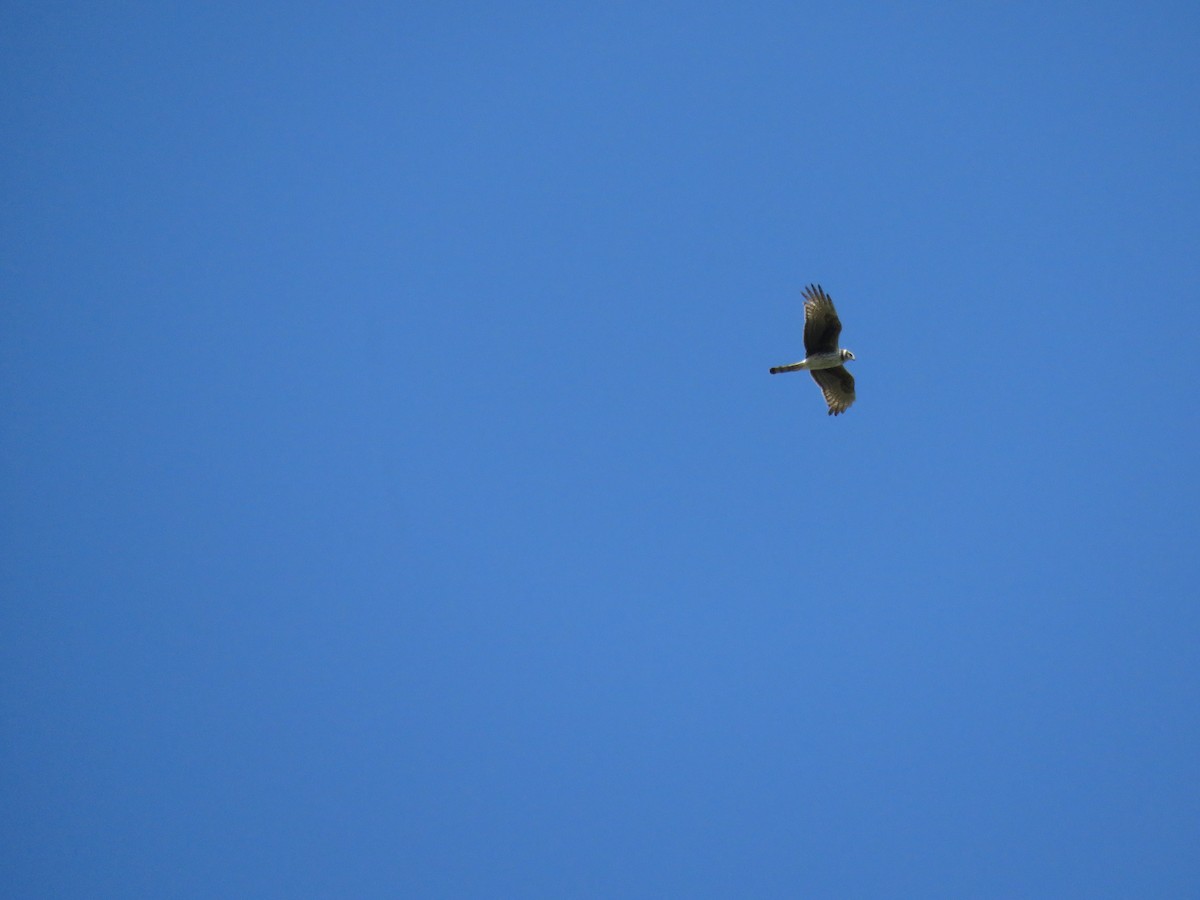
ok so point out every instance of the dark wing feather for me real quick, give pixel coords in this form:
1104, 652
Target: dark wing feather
837, 385
821, 323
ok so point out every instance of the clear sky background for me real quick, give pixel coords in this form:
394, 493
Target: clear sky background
395, 500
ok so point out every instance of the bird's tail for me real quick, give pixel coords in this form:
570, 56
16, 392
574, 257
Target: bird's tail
789, 368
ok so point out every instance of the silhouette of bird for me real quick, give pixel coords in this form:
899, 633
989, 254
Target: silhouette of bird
824, 358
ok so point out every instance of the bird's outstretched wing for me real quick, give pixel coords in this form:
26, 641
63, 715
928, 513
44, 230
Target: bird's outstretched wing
821, 323
837, 385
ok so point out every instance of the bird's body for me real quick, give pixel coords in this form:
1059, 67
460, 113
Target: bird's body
824, 358
816, 361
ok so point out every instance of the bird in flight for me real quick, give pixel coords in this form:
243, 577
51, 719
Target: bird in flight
823, 358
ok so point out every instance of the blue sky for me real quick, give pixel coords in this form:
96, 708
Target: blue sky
395, 501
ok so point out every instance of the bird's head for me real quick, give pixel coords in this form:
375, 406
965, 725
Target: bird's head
847, 355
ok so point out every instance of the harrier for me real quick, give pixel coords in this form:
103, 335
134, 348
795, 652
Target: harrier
823, 357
